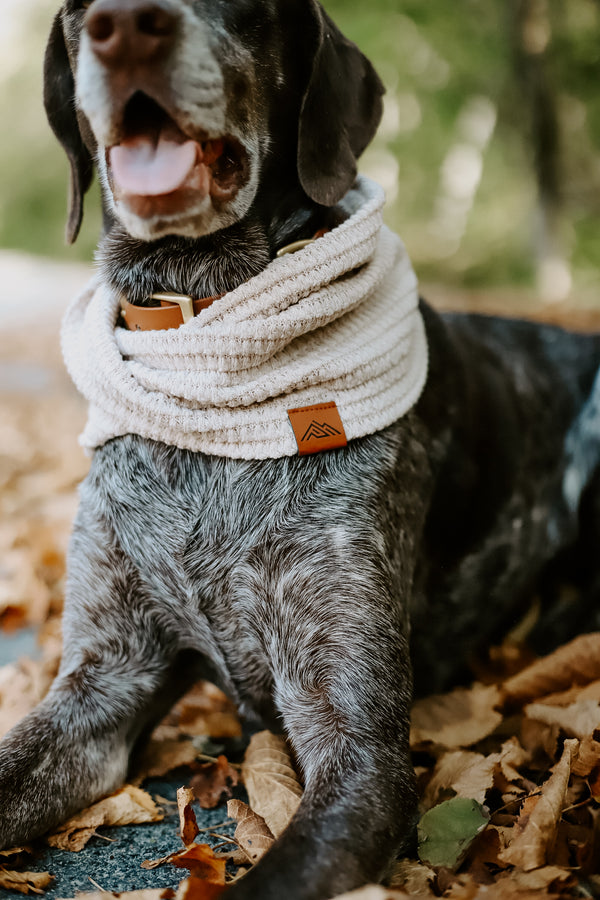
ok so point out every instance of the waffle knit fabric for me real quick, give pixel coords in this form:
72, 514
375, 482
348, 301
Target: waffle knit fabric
336, 321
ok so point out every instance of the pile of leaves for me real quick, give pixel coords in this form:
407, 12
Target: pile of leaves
508, 772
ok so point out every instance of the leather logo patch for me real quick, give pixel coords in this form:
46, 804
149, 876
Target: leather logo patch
317, 428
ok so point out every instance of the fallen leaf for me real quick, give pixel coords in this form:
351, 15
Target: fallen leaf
188, 827
198, 858
252, 833
575, 663
485, 852
198, 889
546, 878
573, 695
535, 829
588, 757
22, 686
272, 785
463, 774
161, 757
205, 710
16, 851
446, 831
373, 892
503, 889
128, 806
578, 720
457, 719
25, 882
214, 783
201, 861
414, 877
507, 776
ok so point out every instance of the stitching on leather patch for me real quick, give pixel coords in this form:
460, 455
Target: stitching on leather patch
317, 428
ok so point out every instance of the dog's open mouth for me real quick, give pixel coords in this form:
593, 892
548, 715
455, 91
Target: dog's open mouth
156, 166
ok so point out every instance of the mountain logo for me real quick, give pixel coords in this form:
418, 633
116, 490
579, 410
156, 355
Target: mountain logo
318, 431
317, 428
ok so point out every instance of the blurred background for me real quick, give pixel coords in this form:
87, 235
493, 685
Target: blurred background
489, 149
489, 152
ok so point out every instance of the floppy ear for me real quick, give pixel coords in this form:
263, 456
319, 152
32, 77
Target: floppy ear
59, 100
340, 113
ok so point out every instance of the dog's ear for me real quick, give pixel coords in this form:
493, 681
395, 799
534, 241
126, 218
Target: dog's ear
340, 113
59, 100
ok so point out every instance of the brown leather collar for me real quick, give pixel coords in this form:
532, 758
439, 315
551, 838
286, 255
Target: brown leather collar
174, 310
177, 309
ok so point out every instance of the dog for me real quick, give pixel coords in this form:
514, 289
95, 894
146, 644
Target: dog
312, 589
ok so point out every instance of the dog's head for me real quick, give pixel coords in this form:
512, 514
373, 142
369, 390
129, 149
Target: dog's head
189, 108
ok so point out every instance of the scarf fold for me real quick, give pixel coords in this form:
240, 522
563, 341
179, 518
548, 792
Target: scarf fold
335, 321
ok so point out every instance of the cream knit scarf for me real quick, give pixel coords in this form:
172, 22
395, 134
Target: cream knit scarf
335, 321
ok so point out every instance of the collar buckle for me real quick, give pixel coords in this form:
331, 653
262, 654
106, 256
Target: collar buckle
183, 301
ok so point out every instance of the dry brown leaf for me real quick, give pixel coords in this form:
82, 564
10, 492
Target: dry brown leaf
22, 686
578, 720
457, 719
129, 806
503, 889
545, 879
161, 757
573, 695
374, 892
413, 877
535, 829
202, 862
507, 776
11, 852
214, 783
575, 663
200, 859
198, 889
25, 882
272, 785
460, 773
188, 827
252, 832
205, 710
588, 757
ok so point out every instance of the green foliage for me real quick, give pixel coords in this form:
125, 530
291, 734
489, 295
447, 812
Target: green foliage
447, 831
454, 151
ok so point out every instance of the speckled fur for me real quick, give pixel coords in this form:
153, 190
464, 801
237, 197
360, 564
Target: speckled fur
296, 584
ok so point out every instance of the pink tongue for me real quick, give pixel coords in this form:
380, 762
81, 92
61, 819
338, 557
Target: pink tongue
143, 168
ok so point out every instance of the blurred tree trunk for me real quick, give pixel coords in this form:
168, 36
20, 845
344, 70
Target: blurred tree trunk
531, 34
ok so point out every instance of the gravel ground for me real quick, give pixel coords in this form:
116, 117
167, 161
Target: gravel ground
113, 860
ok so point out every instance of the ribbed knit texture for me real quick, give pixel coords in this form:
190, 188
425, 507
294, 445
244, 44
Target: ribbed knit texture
338, 320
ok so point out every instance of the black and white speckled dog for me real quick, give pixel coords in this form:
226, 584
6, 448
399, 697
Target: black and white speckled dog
289, 582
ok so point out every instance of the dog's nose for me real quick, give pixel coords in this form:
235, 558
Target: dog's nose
130, 31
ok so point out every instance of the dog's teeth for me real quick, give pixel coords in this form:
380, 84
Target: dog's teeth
142, 168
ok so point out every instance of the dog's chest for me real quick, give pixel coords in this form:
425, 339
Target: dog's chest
238, 552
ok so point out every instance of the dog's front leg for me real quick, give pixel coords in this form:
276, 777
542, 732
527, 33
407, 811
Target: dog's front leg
343, 686
117, 675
